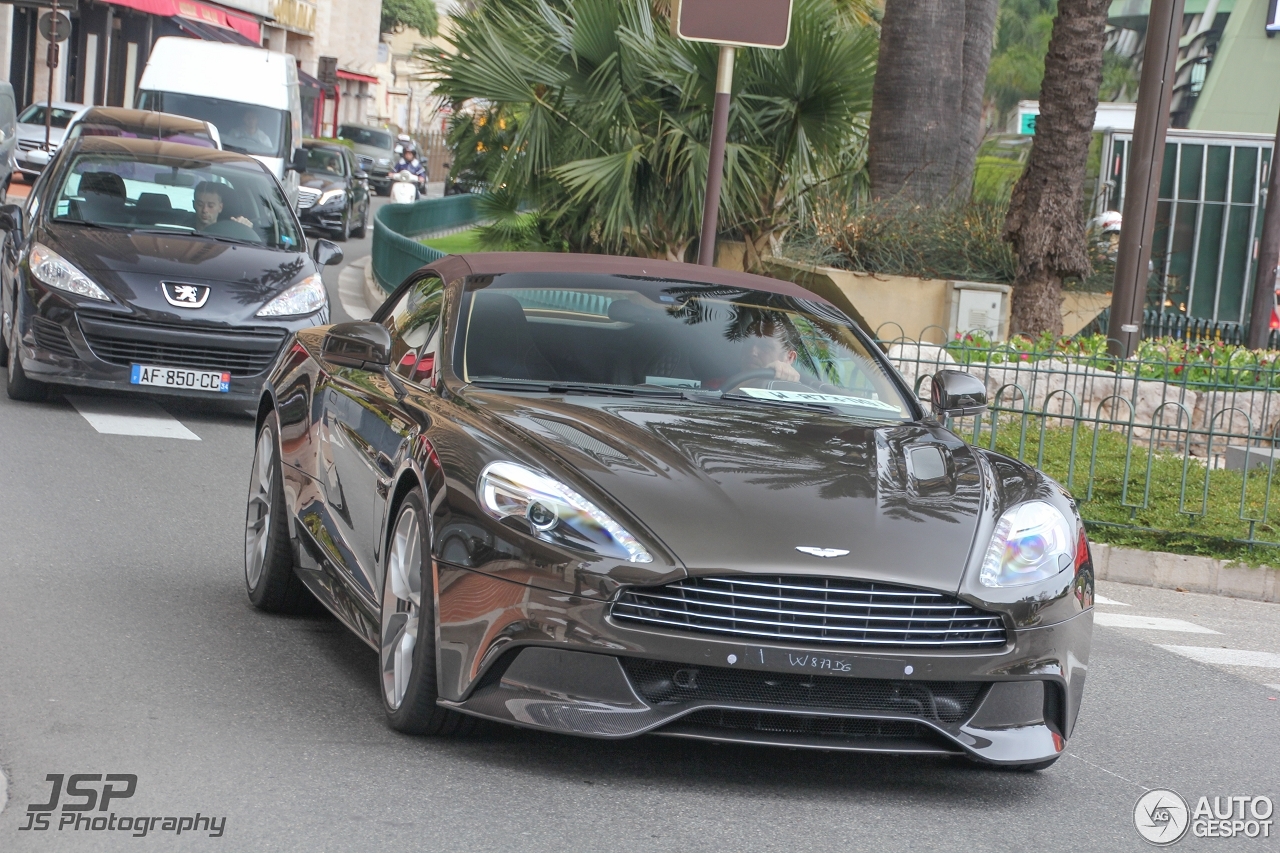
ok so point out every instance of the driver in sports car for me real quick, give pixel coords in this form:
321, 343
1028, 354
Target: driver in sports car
767, 352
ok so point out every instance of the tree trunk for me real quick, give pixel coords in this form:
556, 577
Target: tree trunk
926, 107
979, 37
1046, 213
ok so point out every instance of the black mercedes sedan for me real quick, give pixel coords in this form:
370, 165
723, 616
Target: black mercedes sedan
615, 496
154, 266
333, 194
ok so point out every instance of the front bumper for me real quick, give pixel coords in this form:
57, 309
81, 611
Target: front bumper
561, 663
95, 349
328, 218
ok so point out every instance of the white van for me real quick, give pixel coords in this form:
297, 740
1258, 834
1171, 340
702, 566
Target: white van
249, 94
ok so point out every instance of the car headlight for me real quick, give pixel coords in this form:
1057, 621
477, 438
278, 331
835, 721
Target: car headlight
554, 512
304, 297
56, 271
1031, 542
331, 195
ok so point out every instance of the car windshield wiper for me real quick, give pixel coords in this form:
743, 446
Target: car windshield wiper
580, 388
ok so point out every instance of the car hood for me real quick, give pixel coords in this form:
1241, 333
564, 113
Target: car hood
320, 182
130, 266
36, 131
741, 488
374, 152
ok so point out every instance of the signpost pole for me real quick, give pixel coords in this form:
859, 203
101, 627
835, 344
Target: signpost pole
52, 61
715, 162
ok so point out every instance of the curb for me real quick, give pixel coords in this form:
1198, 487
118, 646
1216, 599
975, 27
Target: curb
1185, 573
374, 295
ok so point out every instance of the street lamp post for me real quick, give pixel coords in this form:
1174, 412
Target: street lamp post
1146, 157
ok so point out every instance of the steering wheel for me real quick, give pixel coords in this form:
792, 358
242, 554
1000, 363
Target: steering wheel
746, 376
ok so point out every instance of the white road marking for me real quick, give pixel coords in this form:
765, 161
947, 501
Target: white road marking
1151, 623
1102, 599
113, 416
1227, 657
1272, 686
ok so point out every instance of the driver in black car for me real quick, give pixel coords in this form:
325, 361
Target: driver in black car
208, 204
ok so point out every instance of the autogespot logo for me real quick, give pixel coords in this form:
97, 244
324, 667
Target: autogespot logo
1161, 816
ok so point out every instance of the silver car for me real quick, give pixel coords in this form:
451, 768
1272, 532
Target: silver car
31, 155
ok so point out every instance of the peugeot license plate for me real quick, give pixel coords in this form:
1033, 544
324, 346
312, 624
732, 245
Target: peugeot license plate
179, 377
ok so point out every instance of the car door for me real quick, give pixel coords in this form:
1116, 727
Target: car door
365, 430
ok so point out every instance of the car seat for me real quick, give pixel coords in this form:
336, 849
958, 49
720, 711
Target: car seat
499, 342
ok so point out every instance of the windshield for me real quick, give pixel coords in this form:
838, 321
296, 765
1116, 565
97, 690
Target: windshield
365, 136
245, 128
324, 161
639, 336
237, 202
34, 114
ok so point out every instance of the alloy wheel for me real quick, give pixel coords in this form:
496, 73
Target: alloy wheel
257, 529
401, 603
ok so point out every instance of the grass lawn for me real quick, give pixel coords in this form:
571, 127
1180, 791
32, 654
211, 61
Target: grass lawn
458, 243
1171, 508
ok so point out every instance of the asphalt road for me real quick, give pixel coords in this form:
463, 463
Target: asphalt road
127, 646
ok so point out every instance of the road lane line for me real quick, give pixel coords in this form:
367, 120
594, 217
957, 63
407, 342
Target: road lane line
1226, 657
1150, 623
1102, 599
1272, 686
112, 416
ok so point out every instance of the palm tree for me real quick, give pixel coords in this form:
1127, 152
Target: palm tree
605, 118
927, 111
1046, 213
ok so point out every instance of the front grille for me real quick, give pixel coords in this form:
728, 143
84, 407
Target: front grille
828, 611
666, 683
307, 198
52, 337
33, 144
797, 724
126, 340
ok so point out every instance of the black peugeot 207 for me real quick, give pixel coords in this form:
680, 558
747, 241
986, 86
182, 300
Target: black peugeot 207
154, 266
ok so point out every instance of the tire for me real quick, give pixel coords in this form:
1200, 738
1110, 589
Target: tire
407, 636
269, 577
17, 385
384, 190
363, 231
344, 233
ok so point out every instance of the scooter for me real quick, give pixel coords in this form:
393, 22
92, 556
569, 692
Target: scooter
405, 188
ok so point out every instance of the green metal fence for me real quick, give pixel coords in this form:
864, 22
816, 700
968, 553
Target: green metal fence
1171, 444
396, 251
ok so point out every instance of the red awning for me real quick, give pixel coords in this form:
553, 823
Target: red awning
219, 17
353, 75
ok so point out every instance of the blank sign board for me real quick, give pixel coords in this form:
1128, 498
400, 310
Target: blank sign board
750, 23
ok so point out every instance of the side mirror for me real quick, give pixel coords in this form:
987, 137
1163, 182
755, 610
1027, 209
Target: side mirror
326, 252
11, 218
360, 175
363, 345
299, 161
957, 394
